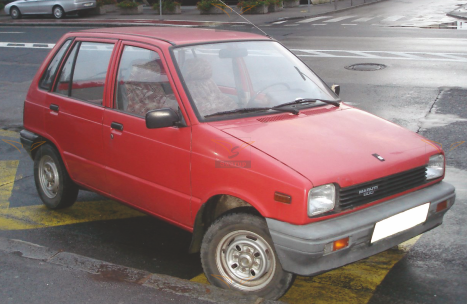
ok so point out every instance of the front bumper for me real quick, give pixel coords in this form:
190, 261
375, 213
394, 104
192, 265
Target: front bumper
301, 248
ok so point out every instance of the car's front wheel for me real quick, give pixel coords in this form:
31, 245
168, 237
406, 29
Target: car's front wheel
238, 253
15, 13
58, 12
53, 183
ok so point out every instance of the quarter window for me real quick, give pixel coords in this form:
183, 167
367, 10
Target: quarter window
142, 83
88, 72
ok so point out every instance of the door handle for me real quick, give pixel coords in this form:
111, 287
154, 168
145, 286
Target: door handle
116, 126
54, 107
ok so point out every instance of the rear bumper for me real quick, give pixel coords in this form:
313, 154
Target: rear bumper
301, 248
29, 140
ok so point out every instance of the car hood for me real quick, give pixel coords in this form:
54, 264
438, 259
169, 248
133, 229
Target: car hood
336, 146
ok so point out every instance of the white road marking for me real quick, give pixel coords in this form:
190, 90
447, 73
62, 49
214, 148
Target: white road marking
419, 56
278, 22
339, 19
392, 18
365, 19
314, 19
347, 24
27, 45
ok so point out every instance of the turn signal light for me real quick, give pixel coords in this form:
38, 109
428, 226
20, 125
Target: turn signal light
339, 244
441, 206
282, 198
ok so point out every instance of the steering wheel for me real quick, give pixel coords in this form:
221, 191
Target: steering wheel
253, 98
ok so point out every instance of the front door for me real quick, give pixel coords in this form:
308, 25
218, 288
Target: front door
147, 168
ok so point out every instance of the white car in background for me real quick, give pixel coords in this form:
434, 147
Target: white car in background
57, 8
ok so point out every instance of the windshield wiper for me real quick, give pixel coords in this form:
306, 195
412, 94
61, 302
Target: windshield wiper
246, 110
277, 108
305, 100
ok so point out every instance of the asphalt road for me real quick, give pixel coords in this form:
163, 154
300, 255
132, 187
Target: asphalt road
423, 87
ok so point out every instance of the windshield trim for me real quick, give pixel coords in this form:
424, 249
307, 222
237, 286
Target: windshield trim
201, 118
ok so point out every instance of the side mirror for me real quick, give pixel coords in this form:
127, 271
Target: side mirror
162, 118
336, 89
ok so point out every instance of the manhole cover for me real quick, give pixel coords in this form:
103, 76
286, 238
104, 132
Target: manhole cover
365, 67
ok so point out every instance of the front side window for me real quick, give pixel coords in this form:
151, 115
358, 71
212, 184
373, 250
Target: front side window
85, 78
49, 74
225, 79
142, 83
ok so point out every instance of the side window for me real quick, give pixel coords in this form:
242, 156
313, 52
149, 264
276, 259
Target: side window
49, 74
142, 83
87, 75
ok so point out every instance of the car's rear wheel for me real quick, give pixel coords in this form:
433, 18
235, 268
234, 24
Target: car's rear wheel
238, 253
58, 12
53, 183
15, 13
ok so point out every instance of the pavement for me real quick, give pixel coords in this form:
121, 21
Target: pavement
460, 13
189, 16
59, 277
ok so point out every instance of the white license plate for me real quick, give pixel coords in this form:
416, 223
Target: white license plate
88, 4
400, 222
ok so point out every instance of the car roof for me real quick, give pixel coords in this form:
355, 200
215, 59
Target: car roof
180, 35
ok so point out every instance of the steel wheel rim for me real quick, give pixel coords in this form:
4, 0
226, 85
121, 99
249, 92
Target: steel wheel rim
245, 260
14, 12
57, 12
48, 176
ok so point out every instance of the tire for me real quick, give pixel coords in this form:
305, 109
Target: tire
58, 12
238, 253
15, 13
53, 183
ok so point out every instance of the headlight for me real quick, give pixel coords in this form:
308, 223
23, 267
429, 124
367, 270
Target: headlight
321, 199
435, 167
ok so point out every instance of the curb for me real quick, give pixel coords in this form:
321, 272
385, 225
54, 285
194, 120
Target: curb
126, 274
326, 13
104, 24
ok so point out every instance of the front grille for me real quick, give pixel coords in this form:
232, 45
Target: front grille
353, 196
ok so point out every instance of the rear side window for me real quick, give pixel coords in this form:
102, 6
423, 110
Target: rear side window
49, 74
83, 74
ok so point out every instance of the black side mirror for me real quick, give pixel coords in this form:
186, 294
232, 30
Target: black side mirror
162, 118
336, 89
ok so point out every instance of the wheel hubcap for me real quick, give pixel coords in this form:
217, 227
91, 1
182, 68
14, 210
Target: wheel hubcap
14, 13
48, 176
245, 260
58, 12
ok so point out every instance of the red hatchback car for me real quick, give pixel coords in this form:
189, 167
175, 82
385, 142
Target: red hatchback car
232, 137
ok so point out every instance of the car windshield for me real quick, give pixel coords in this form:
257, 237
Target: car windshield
234, 78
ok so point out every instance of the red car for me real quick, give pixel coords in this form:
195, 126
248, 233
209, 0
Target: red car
232, 137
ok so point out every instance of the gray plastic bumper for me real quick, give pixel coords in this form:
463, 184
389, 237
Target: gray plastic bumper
301, 247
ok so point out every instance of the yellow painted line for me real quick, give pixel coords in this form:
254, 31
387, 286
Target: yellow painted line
7, 133
32, 217
7, 179
354, 283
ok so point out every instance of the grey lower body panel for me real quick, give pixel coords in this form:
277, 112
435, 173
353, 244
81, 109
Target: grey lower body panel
301, 248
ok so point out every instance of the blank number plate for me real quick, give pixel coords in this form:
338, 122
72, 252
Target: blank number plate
400, 222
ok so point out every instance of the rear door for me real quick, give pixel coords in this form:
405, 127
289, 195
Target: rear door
76, 110
148, 168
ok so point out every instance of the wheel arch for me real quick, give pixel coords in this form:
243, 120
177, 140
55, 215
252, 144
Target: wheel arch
14, 6
212, 209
